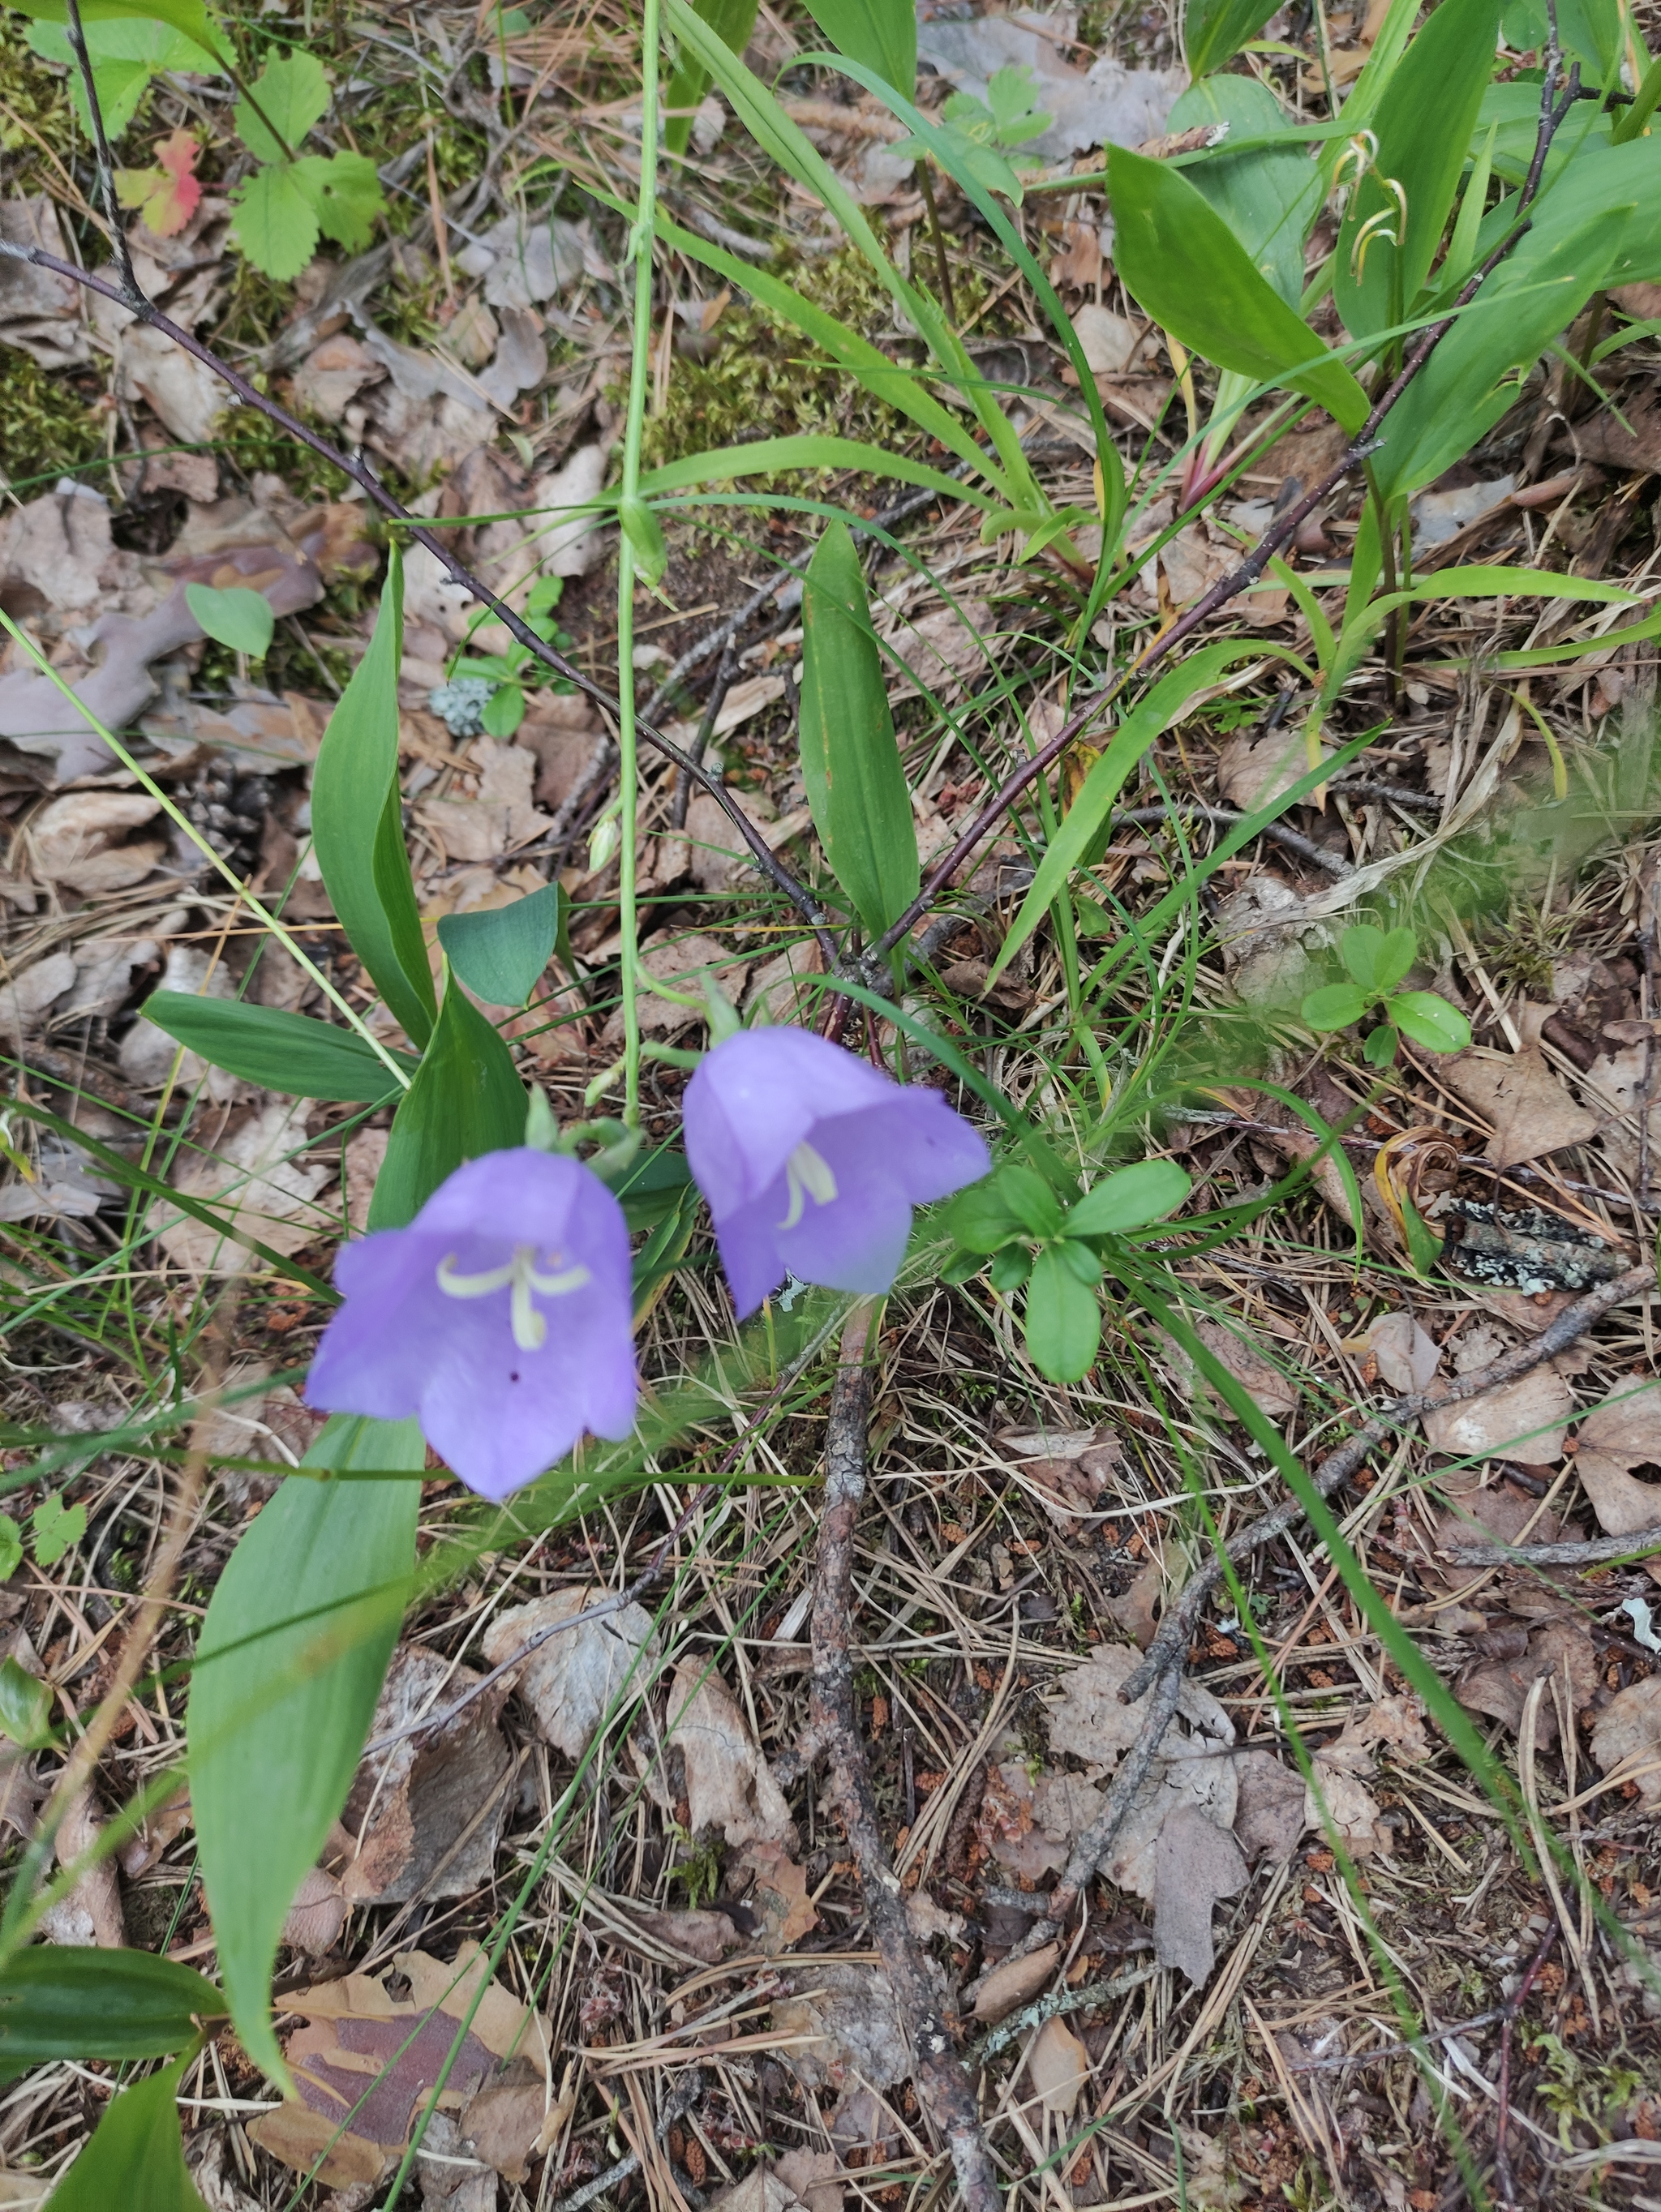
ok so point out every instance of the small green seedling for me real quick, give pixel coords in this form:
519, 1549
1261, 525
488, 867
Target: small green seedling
239, 618
55, 1528
1016, 1219
980, 132
518, 670
25, 1707
1377, 960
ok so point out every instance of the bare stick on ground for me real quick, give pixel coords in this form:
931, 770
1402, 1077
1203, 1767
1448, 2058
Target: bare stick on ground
943, 2085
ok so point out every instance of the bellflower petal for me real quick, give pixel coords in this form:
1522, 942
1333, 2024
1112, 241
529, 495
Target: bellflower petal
501, 1319
812, 1161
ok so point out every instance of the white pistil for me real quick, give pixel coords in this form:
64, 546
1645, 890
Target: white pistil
808, 1175
520, 1275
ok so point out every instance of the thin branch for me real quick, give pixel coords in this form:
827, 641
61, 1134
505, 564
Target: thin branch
131, 292
944, 2088
1637, 1544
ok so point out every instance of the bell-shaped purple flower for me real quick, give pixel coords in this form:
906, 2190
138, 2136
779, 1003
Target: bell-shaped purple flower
812, 1161
501, 1319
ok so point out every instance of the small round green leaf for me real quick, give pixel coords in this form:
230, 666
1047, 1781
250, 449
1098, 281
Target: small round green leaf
504, 710
1396, 955
980, 1218
1010, 1267
25, 1706
1379, 1049
1063, 1321
1428, 1020
1335, 1005
239, 618
1130, 1198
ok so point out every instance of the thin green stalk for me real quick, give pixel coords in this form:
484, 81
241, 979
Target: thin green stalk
266, 920
640, 370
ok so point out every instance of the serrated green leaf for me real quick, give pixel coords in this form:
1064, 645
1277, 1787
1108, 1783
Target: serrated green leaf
850, 761
287, 1667
125, 53
500, 953
189, 17
57, 2001
1429, 1020
1063, 1321
345, 196
289, 95
238, 618
136, 2159
1182, 263
280, 1051
357, 824
1335, 1005
273, 223
1129, 1199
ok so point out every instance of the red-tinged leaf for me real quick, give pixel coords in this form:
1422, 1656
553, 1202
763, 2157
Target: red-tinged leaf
167, 195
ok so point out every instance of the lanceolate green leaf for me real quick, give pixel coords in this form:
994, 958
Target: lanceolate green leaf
136, 2159
1185, 265
358, 829
467, 1099
1472, 583
1163, 704
283, 1052
57, 2001
767, 456
732, 22
886, 379
280, 1705
1424, 122
850, 762
880, 33
1213, 31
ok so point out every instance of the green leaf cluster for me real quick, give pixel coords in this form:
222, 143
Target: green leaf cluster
1376, 960
518, 670
294, 198
126, 53
1059, 1252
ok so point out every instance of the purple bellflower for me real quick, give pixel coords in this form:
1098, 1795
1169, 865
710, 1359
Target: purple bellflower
501, 1319
812, 1161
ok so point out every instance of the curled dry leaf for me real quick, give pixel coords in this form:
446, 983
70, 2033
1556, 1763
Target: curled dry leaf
317, 1915
1275, 1395
1015, 1982
778, 1896
1626, 1737
1194, 1864
729, 1784
425, 1814
1499, 1684
1269, 1813
1343, 1768
1068, 1467
91, 1913
849, 2015
569, 1681
1059, 2066
1523, 1102
376, 2057
1406, 1357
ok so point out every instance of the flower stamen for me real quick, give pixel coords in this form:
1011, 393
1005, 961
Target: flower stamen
518, 1276
808, 1175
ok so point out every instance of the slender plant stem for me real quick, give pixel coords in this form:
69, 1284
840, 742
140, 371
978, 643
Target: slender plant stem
105, 166
640, 377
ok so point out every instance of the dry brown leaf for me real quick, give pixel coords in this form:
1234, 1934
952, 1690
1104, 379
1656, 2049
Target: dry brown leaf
501, 817
814, 2175
252, 1179
504, 2122
849, 2011
943, 650
1007, 1825
762, 2190
1615, 1083
1275, 1395
1194, 1864
1014, 1983
1523, 1104
701, 1934
359, 2039
1068, 1467
1407, 1358
1561, 1650
1108, 340
683, 962
1137, 1610
1342, 1769
779, 1897
1269, 1816
425, 1815
78, 841
39, 310
1109, 103
729, 1784
91, 1914
1622, 1431
569, 1682
1627, 1734
1257, 766
1525, 1421
1059, 2066
317, 1916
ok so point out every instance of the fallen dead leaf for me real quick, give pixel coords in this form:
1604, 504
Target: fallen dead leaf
1058, 2066
1622, 1431
683, 962
39, 310
762, 2190
1108, 103
1196, 1863
359, 2039
1137, 1609
729, 1784
1275, 1395
1069, 1468
1614, 1084
1561, 1650
569, 1681
1108, 340
814, 2175
1525, 1421
701, 1934
501, 817
504, 2122
256, 1179
1528, 1110
943, 650
1343, 1768
425, 1815
1269, 1814
1013, 1983
78, 841
1627, 1734
850, 2012
1407, 1357
778, 1896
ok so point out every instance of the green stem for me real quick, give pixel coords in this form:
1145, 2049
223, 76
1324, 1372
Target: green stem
1631, 124
640, 371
